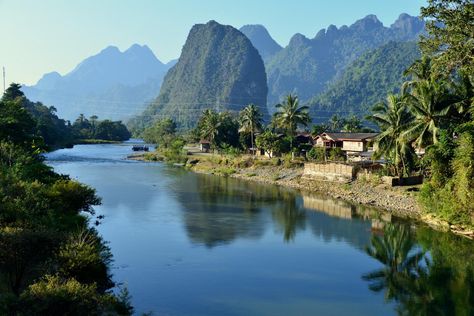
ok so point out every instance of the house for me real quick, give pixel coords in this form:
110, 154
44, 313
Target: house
204, 145
355, 145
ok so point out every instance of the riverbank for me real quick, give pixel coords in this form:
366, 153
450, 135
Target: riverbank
398, 201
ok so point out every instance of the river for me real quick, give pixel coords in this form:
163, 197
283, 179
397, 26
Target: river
191, 244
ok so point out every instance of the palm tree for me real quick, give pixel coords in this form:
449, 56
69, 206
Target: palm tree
210, 125
289, 115
352, 124
430, 102
335, 123
250, 121
397, 251
393, 118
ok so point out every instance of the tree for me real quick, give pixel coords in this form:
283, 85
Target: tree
430, 103
250, 121
270, 142
352, 124
13, 92
450, 39
335, 123
16, 124
209, 126
289, 116
393, 118
161, 133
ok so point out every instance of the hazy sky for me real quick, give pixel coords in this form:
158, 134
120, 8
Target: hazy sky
40, 36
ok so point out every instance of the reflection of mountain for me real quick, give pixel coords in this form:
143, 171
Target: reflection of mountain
218, 210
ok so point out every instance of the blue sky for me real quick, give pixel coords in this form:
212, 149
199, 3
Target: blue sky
40, 36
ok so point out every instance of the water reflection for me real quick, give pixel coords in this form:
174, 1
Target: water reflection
419, 281
217, 212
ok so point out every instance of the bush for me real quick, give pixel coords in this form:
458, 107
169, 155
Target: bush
317, 154
56, 296
336, 154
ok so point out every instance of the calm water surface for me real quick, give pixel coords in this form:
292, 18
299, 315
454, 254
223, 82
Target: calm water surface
189, 244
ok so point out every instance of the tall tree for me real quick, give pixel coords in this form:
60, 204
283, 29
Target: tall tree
250, 121
393, 118
210, 123
430, 102
450, 41
290, 115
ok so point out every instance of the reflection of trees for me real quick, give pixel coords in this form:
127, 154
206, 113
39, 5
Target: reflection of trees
218, 210
396, 251
289, 216
420, 283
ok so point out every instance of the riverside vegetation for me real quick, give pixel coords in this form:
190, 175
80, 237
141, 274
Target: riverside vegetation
432, 113
52, 262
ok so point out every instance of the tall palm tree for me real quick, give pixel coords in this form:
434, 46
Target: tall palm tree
335, 123
211, 122
393, 118
250, 121
430, 102
289, 115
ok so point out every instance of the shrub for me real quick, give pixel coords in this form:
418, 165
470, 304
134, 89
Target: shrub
317, 154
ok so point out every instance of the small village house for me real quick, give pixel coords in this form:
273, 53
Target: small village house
355, 145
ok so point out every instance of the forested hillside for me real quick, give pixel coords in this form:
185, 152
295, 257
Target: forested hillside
366, 81
306, 66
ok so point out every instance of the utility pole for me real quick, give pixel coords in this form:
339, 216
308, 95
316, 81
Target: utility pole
3, 79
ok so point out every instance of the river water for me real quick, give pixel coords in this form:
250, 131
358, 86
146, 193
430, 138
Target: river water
190, 244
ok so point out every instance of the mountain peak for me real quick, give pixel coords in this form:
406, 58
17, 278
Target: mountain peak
261, 40
218, 67
408, 24
110, 50
370, 22
298, 39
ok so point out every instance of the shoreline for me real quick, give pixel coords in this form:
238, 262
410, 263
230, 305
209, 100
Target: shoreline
397, 201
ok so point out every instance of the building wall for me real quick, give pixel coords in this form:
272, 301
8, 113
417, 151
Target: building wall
354, 146
330, 171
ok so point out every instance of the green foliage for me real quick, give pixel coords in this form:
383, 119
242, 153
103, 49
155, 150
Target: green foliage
367, 80
317, 154
85, 258
221, 129
393, 118
46, 268
250, 121
309, 65
56, 296
42, 124
175, 152
450, 35
161, 133
103, 130
336, 154
271, 143
290, 115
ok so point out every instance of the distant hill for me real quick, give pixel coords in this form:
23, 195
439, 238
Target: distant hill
366, 81
218, 68
306, 66
261, 40
112, 84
